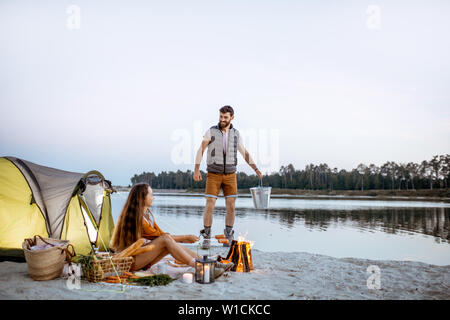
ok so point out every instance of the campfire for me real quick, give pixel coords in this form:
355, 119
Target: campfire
240, 254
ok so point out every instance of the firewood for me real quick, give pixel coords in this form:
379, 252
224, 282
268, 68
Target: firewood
240, 254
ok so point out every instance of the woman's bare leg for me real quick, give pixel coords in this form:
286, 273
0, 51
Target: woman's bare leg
193, 254
190, 252
163, 244
165, 253
161, 255
150, 257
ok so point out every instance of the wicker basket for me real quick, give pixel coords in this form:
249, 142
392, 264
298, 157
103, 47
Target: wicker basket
45, 264
102, 268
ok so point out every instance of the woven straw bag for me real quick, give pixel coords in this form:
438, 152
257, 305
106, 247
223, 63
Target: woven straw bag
46, 264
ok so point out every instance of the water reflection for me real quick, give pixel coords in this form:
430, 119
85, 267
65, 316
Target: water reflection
380, 232
429, 221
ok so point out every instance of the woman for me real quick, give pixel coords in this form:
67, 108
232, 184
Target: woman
137, 221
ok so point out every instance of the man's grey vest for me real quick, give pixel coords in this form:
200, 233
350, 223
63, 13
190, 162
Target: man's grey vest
216, 161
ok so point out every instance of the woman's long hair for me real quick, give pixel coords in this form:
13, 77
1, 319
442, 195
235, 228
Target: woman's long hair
129, 225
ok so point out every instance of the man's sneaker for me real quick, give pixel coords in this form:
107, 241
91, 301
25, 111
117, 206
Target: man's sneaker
206, 244
229, 236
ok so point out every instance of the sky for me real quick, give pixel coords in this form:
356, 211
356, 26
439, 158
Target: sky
130, 86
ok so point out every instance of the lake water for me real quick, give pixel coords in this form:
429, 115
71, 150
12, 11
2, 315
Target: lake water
369, 229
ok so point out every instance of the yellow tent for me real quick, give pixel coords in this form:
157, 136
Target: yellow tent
52, 203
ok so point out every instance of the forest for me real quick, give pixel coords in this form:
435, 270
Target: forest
429, 174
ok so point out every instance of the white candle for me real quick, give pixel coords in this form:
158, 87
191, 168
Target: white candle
187, 277
206, 276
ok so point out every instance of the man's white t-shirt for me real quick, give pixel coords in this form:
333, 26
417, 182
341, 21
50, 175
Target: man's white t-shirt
225, 142
241, 148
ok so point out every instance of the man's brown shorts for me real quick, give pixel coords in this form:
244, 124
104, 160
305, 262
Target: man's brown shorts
216, 180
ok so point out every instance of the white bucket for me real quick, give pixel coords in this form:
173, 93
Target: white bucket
261, 196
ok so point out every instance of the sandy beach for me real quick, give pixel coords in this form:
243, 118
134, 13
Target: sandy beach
276, 275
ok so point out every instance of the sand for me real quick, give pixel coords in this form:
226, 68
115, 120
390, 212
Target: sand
277, 275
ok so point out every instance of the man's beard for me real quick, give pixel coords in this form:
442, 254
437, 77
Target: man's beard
224, 124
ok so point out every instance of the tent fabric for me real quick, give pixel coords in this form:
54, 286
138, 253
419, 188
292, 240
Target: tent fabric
89, 220
106, 225
18, 219
75, 229
56, 187
94, 199
36, 196
35, 199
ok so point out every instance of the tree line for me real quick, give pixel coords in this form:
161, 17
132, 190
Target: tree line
431, 174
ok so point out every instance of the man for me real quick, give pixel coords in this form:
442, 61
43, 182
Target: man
223, 141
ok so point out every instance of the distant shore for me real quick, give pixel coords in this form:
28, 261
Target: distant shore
442, 195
